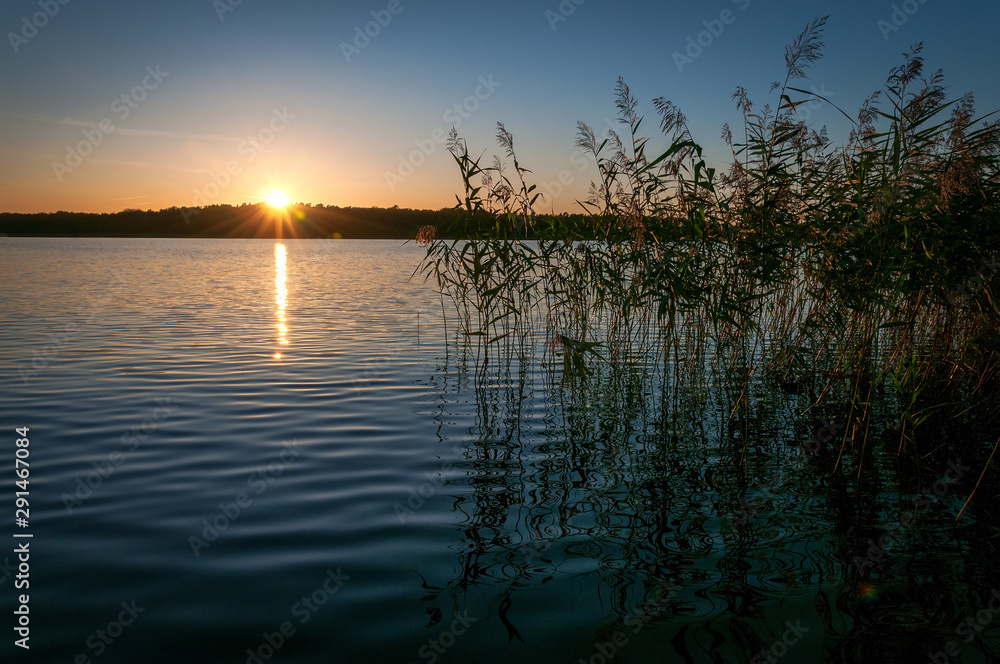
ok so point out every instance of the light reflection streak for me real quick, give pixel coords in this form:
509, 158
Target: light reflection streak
280, 295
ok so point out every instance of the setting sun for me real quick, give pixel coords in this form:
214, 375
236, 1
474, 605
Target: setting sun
277, 199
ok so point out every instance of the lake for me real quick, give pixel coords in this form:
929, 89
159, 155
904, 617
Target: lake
252, 451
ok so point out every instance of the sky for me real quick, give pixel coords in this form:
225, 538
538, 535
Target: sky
149, 105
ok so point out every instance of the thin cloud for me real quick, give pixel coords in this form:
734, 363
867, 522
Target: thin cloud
152, 164
124, 131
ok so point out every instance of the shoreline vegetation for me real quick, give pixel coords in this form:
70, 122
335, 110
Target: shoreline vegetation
854, 278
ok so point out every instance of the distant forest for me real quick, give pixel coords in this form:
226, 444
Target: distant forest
228, 221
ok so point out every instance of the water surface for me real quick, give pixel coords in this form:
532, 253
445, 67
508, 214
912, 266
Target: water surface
236, 435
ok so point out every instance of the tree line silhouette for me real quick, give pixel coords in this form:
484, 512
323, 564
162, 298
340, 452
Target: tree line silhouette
228, 221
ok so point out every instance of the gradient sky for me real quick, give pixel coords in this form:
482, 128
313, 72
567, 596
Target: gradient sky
265, 88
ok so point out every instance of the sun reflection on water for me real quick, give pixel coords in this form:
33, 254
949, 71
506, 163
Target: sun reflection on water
280, 295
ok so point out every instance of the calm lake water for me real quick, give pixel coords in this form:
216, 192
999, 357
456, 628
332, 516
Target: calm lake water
272, 452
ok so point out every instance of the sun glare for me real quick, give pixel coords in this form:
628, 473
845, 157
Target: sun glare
277, 199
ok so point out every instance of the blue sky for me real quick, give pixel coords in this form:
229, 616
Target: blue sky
261, 95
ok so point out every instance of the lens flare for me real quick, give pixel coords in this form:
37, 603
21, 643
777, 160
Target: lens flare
277, 199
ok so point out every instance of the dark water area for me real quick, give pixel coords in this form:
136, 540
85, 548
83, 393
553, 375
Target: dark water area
260, 451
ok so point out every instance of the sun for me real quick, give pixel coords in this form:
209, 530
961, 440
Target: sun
277, 199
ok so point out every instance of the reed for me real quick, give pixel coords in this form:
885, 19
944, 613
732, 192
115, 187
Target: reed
836, 271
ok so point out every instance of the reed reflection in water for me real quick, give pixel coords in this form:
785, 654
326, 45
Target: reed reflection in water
635, 517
